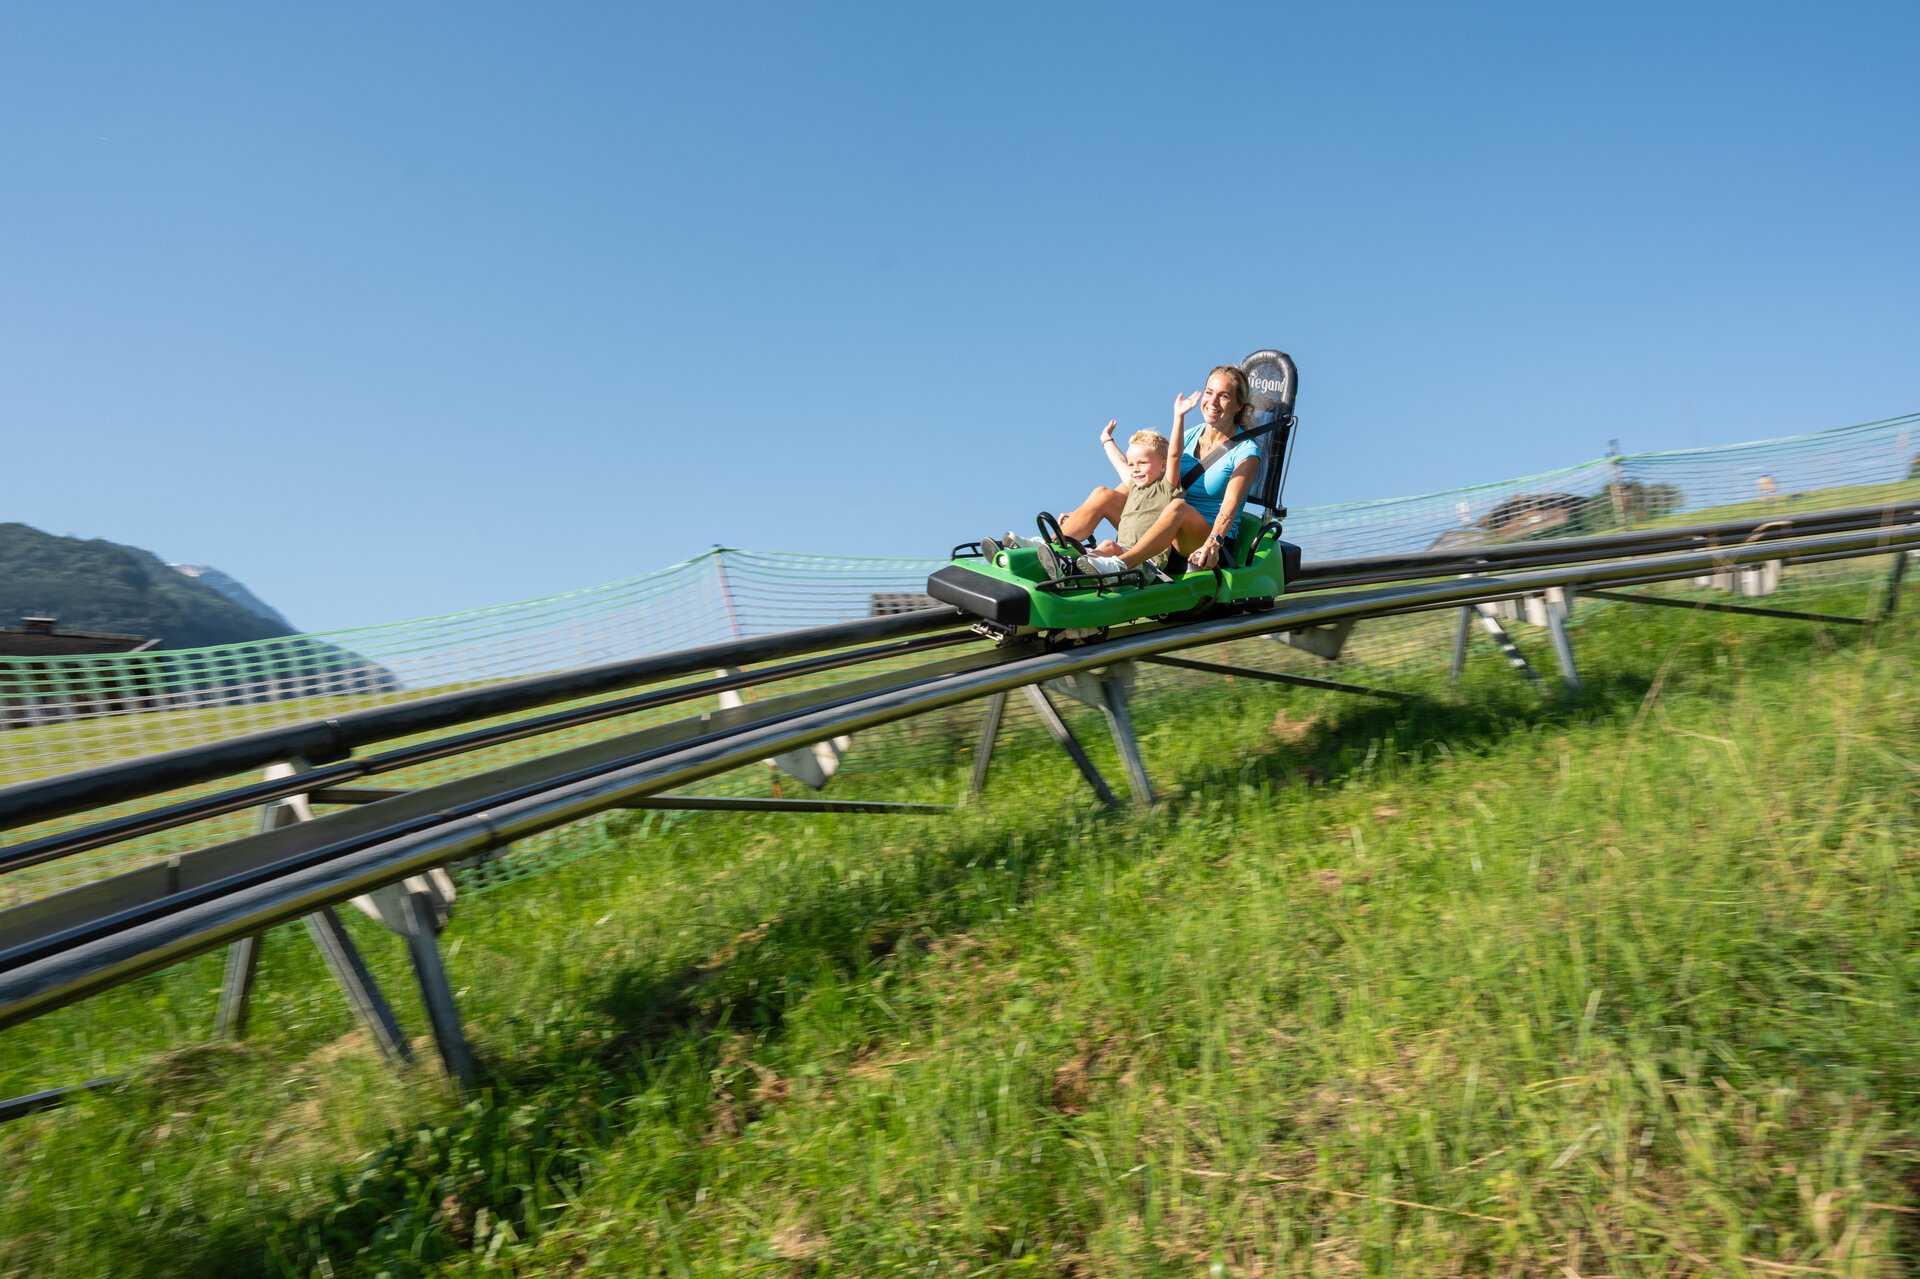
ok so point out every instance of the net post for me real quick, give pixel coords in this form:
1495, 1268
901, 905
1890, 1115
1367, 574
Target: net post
726, 589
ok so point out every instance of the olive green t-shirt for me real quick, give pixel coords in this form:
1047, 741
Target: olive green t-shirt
1143, 507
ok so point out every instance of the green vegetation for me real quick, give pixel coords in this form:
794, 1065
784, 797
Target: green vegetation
1501, 983
97, 585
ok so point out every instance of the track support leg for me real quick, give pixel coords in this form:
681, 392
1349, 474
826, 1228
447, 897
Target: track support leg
369, 1005
243, 956
1562, 647
989, 735
1462, 632
1064, 736
1890, 593
236, 987
1508, 649
418, 914
1114, 697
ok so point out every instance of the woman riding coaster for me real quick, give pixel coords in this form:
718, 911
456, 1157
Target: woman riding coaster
1199, 524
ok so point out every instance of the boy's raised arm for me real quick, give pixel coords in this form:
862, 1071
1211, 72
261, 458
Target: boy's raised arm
1177, 438
1114, 455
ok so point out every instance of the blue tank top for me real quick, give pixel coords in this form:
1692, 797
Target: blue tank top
1206, 495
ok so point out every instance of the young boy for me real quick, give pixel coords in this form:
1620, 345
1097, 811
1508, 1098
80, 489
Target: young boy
1146, 489
1146, 481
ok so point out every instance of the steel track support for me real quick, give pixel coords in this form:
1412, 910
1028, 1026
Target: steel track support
1113, 691
1562, 646
330, 938
1274, 677
989, 736
419, 917
1462, 632
1710, 606
1890, 593
362, 991
243, 956
1504, 642
236, 987
1050, 716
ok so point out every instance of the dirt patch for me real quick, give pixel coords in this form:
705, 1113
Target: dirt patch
1291, 731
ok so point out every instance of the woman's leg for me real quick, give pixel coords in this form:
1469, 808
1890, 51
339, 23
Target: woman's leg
1179, 526
1101, 504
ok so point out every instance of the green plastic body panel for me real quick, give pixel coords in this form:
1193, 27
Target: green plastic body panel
1262, 578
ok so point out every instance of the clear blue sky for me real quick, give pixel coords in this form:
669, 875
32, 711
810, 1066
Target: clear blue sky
391, 310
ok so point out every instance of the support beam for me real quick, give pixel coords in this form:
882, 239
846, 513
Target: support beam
1275, 677
1712, 607
35, 1102
243, 956
1063, 735
363, 993
1462, 632
1890, 593
695, 803
1508, 649
1562, 646
989, 735
236, 987
420, 917
1120, 724
737, 804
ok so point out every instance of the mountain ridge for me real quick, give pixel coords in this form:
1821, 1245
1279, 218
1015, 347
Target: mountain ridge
93, 584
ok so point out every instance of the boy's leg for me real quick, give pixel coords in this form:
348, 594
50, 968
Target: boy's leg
1101, 504
1179, 526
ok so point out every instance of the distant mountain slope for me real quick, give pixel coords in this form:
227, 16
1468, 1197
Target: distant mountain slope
97, 585
233, 589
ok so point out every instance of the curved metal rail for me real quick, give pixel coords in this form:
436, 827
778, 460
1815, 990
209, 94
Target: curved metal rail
77, 943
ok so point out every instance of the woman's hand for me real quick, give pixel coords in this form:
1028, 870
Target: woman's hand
1185, 404
1205, 556
1106, 436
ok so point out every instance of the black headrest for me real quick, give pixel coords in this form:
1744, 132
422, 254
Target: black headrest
1272, 380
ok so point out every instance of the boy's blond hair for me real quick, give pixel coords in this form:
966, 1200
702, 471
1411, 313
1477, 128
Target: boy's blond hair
1152, 439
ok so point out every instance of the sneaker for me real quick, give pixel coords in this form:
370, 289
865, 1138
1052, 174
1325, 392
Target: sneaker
990, 549
1013, 541
1050, 562
1104, 564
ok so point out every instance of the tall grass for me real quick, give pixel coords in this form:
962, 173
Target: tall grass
1621, 984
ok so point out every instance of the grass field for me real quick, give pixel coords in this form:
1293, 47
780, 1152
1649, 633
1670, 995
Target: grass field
1500, 983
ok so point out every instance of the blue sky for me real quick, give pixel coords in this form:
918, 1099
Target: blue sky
403, 309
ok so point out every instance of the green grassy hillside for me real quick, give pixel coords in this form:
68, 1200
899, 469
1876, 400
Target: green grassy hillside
1495, 984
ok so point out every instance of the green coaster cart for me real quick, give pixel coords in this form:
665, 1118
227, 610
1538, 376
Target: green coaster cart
1012, 595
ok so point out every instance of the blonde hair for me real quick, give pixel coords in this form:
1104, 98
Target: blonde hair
1152, 439
1240, 388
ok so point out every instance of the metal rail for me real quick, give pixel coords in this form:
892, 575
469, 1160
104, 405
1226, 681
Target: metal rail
328, 743
297, 870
